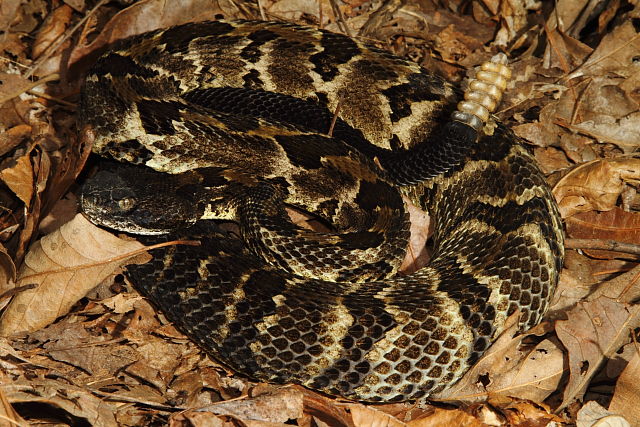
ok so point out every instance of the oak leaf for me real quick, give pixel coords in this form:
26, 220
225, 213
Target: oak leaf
64, 266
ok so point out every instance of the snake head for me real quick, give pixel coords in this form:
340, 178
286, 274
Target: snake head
139, 200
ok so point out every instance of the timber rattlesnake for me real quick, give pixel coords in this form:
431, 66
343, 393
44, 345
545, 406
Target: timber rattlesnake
230, 120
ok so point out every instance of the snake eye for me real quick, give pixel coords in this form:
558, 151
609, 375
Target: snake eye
126, 203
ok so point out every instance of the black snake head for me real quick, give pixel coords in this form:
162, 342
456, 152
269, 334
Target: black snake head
139, 200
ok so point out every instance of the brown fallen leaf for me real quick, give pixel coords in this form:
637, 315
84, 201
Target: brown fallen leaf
76, 344
324, 409
594, 414
370, 416
158, 362
625, 398
195, 418
453, 45
8, 13
616, 224
65, 265
564, 51
513, 19
421, 228
67, 398
595, 185
52, 29
7, 272
624, 288
13, 137
597, 328
614, 53
292, 10
276, 406
19, 178
62, 212
604, 102
40, 162
570, 16
147, 15
522, 412
8, 415
551, 159
447, 417
576, 282
540, 134
623, 132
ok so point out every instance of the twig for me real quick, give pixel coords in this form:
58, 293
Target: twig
52, 99
604, 245
28, 87
263, 15
13, 422
340, 18
114, 397
14, 291
335, 117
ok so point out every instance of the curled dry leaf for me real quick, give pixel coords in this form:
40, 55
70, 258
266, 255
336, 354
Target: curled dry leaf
324, 409
64, 265
13, 137
53, 28
19, 178
421, 229
595, 185
540, 134
7, 271
453, 45
567, 14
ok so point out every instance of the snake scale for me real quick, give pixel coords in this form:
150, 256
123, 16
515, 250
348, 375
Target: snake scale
230, 121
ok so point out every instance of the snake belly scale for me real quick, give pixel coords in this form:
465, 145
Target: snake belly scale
234, 117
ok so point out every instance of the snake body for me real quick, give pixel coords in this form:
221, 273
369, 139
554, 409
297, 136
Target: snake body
233, 119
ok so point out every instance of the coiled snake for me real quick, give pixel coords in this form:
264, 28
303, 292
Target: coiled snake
230, 121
